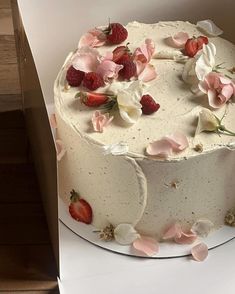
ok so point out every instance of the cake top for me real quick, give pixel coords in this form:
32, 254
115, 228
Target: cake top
181, 93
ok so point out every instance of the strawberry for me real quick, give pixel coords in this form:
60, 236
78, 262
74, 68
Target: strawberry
149, 105
193, 45
93, 99
116, 33
121, 53
92, 81
129, 69
80, 209
74, 76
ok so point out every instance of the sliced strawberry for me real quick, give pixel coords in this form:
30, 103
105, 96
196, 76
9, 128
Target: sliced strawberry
193, 45
80, 209
202, 40
121, 53
93, 99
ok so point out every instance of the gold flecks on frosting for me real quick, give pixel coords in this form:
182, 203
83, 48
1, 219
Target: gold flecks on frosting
198, 148
107, 234
174, 184
230, 218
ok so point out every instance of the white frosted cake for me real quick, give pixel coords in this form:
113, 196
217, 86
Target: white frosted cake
149, 170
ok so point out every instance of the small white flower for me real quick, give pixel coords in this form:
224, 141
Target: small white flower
129, 103
125, 234
200, 65
207, 121
120, 148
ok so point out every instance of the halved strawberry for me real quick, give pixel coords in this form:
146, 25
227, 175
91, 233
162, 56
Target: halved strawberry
93, 99
193, 45
80, 209
121, 53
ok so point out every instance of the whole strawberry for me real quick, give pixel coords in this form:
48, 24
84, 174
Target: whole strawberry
74, 76
149, 105
79, 208
193, 45
121, 53
116, 33
93, 99
92, 81
128, 71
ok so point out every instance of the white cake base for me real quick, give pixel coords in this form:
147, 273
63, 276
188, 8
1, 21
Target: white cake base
167, 249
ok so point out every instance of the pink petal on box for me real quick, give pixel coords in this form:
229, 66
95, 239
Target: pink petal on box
108, 69
161, 148
172, 232
227, 91
148, 74
93, 38
200, 252
60, 149
178, 141
53, 121
178, 40
186, 238
147, 245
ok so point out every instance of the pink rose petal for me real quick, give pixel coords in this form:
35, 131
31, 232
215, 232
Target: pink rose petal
200, 252
148, 74
162, 148
145, 51
176, 142
108, 69
86, 59
186, 238
93, 38
60, 149
179, 141
53, 121
178, 40
100, 121
147, 245
172, 232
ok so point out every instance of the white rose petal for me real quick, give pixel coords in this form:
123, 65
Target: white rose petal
202, 227
209, 27
125, 234
196, 68
207, 121
120, 148
206, 61
128, 103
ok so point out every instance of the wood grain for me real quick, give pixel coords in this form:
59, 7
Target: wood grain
5, 4
27, 267
9, 79
7, 50
6, 25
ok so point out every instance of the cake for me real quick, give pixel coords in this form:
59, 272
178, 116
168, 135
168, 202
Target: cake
168, 171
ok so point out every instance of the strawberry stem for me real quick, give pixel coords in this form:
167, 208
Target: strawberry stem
74, 196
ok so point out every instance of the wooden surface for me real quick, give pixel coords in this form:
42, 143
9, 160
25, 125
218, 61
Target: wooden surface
10, 97
27, 264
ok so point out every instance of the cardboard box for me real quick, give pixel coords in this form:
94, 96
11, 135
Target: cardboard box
53, 28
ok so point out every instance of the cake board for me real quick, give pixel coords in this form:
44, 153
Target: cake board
83, 267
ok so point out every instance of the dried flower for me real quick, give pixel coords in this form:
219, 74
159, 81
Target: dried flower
107, 234
230, 218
